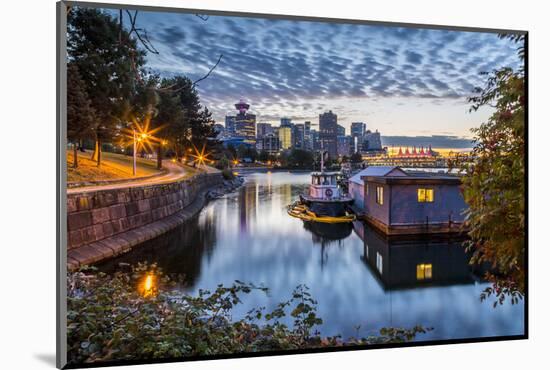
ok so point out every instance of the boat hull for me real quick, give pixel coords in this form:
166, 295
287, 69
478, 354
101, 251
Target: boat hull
327, 207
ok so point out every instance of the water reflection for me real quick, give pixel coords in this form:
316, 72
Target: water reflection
357, 276
407, 263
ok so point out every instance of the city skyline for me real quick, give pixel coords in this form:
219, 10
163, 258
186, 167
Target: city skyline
404, 82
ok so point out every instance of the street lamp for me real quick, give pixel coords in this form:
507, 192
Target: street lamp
134, 152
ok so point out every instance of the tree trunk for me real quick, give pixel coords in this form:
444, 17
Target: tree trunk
98, 152
94, 154
159, 156
75, 156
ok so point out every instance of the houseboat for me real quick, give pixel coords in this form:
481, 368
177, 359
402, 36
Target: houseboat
399, 202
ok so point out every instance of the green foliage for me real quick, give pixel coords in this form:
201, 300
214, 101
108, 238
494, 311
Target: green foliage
228, 174
356, 158
108, 319
109, 62
494, 185
246, 151
223, 163
297, 158
80, 114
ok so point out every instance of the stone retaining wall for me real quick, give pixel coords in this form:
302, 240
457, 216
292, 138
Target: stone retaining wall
99, 215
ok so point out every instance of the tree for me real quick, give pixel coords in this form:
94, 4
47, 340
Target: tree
80, 114
169, 113
494, 184
299, 158
356, 158
109, 62
195, 128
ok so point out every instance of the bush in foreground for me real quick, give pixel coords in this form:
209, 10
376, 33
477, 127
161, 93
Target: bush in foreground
139, 315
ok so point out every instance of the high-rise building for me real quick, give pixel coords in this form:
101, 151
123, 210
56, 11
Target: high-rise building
245, 123
358, 129
344, 145
230, 126
315, 142
285, 121
328, 132
263, 129
298, 139
269, 143
372, 141
341, 130
285, 137
308, 144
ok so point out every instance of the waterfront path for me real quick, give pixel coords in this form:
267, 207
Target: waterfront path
174, 172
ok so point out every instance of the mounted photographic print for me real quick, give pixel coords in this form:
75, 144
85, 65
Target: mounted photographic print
234, 184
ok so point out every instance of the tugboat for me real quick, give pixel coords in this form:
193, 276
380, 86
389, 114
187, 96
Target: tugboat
325, 201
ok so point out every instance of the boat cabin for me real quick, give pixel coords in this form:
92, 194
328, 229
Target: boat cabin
324, 185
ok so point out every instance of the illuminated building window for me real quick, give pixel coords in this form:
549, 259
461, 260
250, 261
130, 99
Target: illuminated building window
425, 195
380, 195
424, 271
379, 262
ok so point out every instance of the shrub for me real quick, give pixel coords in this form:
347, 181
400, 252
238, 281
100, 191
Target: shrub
228, 174
139, 315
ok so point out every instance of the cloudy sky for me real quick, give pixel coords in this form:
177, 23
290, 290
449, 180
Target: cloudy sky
402, 81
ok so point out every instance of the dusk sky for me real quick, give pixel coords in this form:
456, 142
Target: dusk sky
401, 81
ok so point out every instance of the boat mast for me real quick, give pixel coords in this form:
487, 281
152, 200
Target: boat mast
322, 158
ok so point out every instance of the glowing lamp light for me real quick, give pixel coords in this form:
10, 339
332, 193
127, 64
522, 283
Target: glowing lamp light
147, 287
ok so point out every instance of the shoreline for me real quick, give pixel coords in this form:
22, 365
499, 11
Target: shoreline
126, 241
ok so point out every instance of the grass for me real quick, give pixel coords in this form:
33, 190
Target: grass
113, 167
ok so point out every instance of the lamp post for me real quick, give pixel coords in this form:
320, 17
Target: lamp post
134, 168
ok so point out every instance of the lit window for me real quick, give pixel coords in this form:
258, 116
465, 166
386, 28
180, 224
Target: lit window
425, 195
379, 262
380, 195
424, 271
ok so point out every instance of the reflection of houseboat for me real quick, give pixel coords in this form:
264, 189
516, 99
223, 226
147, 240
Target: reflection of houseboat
411, 262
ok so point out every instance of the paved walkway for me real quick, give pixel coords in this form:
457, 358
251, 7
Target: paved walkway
174, 172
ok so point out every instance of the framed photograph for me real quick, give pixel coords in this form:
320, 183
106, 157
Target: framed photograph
236, 185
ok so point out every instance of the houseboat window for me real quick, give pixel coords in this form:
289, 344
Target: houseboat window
424, 271
379, 262
425, 195
380, 195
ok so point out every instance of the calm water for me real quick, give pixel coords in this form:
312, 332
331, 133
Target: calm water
358, 277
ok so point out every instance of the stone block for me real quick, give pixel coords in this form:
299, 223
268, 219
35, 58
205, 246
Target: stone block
131, 208
100, 215
143, 205
83, 203
98, 232
71, 205
79, 220
117, 211
74, 239
108, 229
88, 235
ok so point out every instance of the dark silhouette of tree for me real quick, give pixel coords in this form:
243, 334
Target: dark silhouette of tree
107, 66
494, 185
80, 114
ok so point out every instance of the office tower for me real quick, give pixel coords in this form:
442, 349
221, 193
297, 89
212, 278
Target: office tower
328, 132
